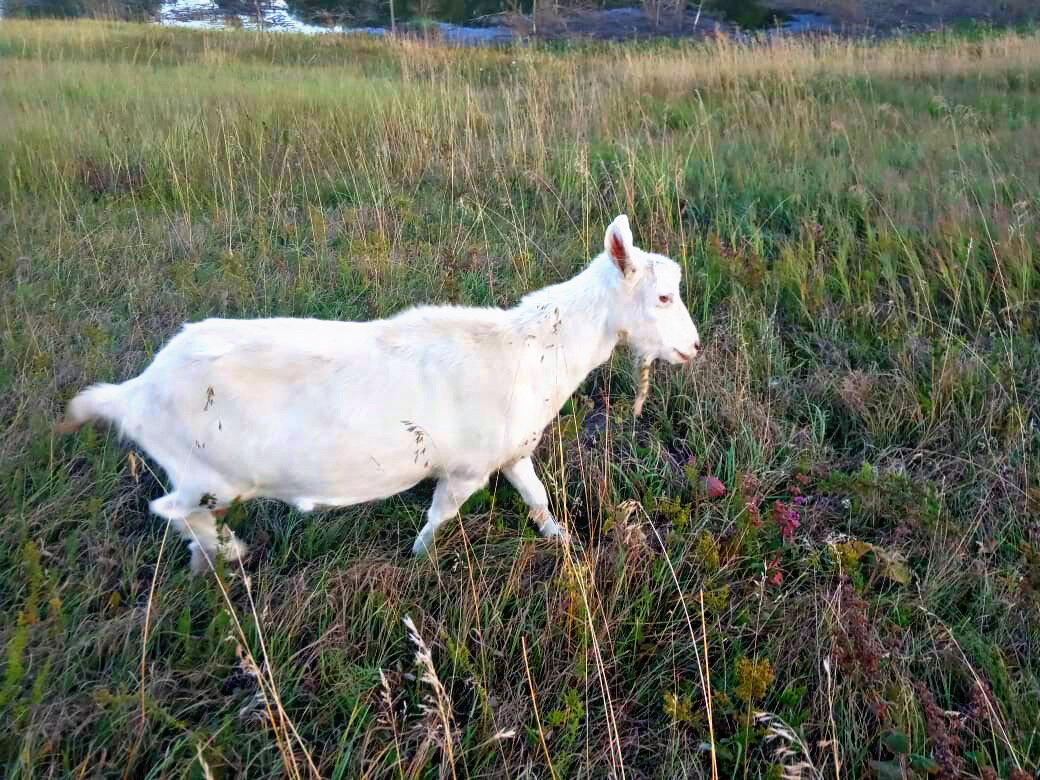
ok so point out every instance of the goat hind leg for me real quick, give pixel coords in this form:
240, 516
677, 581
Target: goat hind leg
198, 525
448, 497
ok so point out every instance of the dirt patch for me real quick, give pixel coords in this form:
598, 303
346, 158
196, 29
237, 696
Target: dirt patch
613, 24
106, 177
912, 15
660, 19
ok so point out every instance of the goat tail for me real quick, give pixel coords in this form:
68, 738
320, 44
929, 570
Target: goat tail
102, 401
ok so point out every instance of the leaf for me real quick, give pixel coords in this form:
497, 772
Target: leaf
897, 743
854, 548
896, 571
680, 709
714, 487
887, 770
892, 565
924, 764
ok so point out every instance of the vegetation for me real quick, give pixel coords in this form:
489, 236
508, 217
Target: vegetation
838, 507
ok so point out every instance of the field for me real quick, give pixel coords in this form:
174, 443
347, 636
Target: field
817, 552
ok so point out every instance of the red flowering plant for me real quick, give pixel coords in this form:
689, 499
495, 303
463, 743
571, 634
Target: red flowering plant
787, 518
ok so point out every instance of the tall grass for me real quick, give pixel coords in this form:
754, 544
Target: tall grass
858, 226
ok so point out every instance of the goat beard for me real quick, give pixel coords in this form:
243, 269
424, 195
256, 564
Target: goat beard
644, 385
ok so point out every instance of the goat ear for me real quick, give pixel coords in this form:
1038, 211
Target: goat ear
618, 244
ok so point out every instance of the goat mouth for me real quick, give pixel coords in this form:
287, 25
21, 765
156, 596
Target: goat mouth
683, 356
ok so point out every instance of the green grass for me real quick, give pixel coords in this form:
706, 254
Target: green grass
859, 228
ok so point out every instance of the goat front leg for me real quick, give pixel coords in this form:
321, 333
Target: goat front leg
522, 477
448, 497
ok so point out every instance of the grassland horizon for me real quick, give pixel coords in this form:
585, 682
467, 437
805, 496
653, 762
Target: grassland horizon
817, 555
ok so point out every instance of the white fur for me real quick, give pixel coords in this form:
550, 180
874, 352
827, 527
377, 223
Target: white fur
319, 413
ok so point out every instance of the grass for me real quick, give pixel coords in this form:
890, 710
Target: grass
859, 230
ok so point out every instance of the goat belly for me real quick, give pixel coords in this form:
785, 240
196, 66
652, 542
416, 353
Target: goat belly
306, 420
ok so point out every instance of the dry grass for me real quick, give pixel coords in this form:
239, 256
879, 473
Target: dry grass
859, 227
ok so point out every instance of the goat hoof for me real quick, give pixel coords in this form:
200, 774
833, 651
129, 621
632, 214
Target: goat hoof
199, 561
420, 549
204, 561
552, 530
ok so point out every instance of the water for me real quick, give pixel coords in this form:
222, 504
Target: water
807, 22
462, 21
310, 17
302, 15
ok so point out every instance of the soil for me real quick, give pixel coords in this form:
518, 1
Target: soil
891, 15
660, 19
646, 21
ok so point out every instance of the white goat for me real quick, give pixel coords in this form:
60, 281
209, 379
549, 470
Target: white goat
319, 413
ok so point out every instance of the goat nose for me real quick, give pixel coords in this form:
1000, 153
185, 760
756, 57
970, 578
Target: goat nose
697, 346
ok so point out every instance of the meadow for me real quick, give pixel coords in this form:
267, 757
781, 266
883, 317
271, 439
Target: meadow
815, 554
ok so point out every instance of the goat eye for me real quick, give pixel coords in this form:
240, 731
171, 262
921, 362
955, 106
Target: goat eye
665, 299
